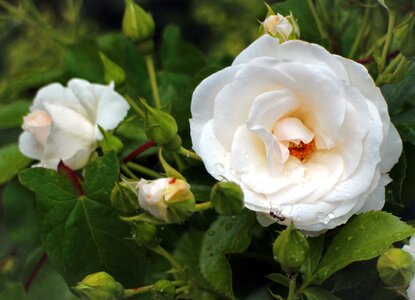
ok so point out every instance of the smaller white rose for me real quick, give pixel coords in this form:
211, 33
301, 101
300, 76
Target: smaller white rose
411, 250
280, 27
63, 122
153, 196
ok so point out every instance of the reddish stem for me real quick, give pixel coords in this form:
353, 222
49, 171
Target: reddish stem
35, 271
75, 180
138, 151
370, 59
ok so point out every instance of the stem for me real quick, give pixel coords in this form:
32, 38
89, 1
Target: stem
402, 64
138, 151
323, 10
359, 35
128, 172
203, 206
182, 289
144, 170
134, 105
153, 80
170, 258
136, 291
391, 23
317, 19
188, 153
35, 271
292, 289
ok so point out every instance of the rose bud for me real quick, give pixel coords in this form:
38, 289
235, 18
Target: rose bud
411, 250
227, 198
124, 198
396, 267
137, 25
163, 290
161, 128
290, 249
283, 28
99, 286
167, 199
144, 233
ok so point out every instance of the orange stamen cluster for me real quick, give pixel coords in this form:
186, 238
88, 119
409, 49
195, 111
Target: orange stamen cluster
301, 151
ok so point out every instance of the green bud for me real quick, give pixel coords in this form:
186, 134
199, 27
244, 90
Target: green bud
291, 249
124, 198
174, 145
137, 25
99, 286
161, 127
167, 199
163, 290
110, 142
396, 267
405, 35
112, 71
144, 233
227, 198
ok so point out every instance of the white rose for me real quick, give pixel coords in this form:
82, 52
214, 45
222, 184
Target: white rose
411, 250
63, 122
305, 133
154, 195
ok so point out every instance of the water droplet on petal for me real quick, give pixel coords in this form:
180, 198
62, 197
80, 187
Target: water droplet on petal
332, 216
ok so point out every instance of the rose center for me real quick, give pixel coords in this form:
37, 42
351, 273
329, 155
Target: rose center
301, 151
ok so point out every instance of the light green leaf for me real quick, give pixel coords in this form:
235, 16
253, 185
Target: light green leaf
81, 233
11, 162
11, 115
363, 237
278, 278
225, 236
316, 293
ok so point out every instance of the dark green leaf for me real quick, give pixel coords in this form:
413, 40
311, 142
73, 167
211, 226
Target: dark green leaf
316, 248
363, 237
82, 234
279, 278
11, 162
398, 173
82, 60
13, 292
405, 123
225, 236
11, 115
316, 293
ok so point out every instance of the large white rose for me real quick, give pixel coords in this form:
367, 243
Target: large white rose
63, 122
305, 133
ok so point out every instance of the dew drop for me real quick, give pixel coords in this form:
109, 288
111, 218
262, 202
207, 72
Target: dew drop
211, 233
228, 226
220, 168
332, 216
371, 121
275, 258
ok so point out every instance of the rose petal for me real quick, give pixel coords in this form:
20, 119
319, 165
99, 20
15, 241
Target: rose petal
262, 47
29, 146
393, 146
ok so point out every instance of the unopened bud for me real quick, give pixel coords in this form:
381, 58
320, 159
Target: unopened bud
124, 198
167, 199
396, 267
99, 286
109, 142
163, 290
161, 127
283, 28
144, 233
227, 198
137, 25
291, 249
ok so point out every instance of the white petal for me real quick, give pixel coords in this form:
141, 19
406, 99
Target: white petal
70, 132
292, 130
203, 100
411, 289
88, 95
29, 146
376, 199
393, 150
263, 46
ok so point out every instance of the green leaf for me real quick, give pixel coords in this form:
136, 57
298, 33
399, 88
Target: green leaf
278, 278
13, 292
303, 15
82, 60
398, 174
82, 234
316, 293
363, 237
11, 115
405, 123
11, 162
225, 236
19, 215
